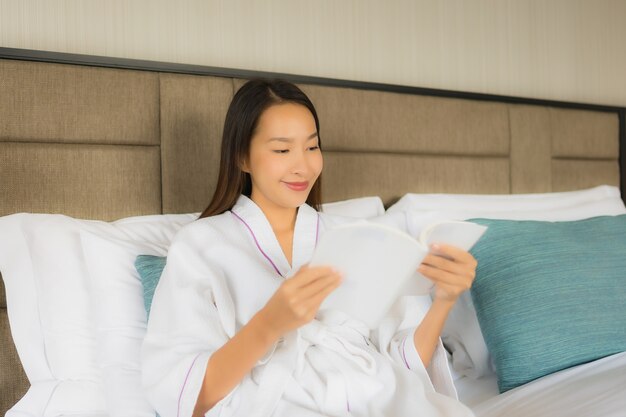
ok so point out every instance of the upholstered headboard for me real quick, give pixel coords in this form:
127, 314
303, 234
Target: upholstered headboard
99, 142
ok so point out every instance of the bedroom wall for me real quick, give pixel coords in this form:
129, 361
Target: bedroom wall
571, 50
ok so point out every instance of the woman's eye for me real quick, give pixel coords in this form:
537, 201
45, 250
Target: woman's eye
314, 148
281, 150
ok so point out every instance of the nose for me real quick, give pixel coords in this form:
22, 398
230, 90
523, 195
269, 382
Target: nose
300, 163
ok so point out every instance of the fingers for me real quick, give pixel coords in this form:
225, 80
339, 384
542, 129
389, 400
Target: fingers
316, 299
302, 302
320, 284
308, 274
453, 252
445, 264
446, 277
457, 269
309, 283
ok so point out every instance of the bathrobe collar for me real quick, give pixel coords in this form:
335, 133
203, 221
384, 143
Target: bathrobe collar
304, 238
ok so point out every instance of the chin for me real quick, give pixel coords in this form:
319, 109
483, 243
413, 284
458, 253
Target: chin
295, 202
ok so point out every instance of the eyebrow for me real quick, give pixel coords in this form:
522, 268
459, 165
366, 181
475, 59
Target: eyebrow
280, 139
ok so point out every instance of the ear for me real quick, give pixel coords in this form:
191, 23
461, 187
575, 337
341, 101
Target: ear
243, 166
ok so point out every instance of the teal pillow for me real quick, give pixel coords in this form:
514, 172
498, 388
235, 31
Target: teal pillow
150, 269
550, 295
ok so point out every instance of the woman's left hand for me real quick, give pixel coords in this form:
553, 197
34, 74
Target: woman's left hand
453, 273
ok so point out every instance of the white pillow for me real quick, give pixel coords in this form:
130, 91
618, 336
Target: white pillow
120, 317
49, 308
362, 208
503, 202
23, 314
610, 206
461, 333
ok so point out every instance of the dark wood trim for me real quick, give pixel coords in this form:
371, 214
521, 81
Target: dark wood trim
622, 152
169, 67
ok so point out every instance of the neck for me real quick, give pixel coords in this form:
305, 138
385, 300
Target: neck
282, 222
282, 219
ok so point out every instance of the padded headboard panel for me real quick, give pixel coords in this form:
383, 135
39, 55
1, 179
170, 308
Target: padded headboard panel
106, 143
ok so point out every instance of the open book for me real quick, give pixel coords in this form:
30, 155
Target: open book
379, 263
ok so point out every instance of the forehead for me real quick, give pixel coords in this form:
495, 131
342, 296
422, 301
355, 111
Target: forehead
286, 119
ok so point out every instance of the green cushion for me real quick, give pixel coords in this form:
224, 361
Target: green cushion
550, 295
150, 269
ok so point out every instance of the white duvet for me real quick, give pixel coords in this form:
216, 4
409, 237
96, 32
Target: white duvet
595, 389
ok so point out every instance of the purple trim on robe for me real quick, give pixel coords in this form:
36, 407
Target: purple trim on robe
317, 229
180, 396
404, 353
257, 243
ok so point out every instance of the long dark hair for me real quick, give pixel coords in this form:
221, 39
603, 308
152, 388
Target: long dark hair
242, 118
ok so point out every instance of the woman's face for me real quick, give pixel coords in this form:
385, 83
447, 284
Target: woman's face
285, 159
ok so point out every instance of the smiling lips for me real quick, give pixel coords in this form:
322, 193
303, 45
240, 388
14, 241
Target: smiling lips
297, 186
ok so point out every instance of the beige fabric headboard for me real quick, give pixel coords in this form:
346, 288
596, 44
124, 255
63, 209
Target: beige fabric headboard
105, 143
108, 143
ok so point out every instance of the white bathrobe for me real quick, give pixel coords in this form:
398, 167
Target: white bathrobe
220, 271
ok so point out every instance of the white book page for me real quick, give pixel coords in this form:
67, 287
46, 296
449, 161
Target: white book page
375, 260
379, 263
461, 234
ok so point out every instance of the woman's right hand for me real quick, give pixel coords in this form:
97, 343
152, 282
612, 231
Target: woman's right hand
297, 300
293, 304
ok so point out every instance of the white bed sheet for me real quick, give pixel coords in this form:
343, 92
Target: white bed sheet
591, 390
473, 392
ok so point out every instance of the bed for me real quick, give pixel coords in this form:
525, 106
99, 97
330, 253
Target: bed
93, 140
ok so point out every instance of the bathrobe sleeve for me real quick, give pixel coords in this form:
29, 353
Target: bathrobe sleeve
394, 338
191, 317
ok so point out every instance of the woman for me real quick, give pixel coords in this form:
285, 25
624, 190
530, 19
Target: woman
234, 326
